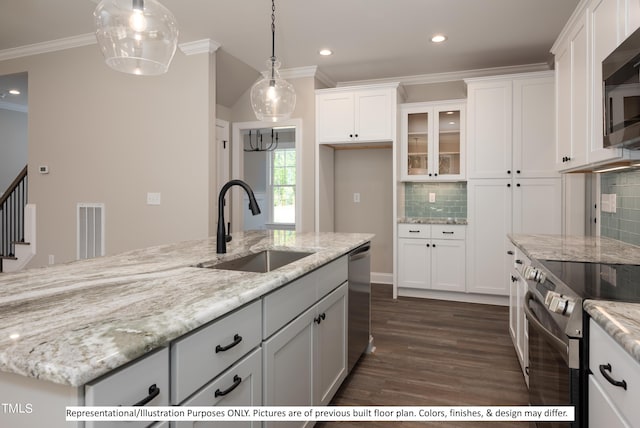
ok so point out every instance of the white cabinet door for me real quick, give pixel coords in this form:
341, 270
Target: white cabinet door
241, 385
534, 127
489, 216
335, 117
288, 367
448, 265
414, 270
373, 116
330, 345
537, 204
572, 98
489, 122
602, 412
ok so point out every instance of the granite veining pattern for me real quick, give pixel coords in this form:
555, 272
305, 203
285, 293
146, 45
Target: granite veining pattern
74, 322
577, 248
620, 320
432, 220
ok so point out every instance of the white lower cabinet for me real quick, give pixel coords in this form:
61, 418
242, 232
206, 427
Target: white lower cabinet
240, 385
614, 382
431, 257
144, 382
518, 328
305, 362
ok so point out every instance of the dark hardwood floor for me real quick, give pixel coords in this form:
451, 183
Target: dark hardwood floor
435, 353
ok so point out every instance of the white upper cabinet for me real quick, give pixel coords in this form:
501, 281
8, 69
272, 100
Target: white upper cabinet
511, 127
595, 29
432, 141
356, 115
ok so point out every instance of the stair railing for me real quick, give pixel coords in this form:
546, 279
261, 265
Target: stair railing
12, 204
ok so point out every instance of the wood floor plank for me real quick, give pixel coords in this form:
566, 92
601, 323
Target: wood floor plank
435, 353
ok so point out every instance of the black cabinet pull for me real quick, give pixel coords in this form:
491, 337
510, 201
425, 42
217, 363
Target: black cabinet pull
510, 252
513, 278
518, 172
320, 318
518, 185
519, 261
236, 381
446, 232
154, 391
414, 231
604, 368
236, 339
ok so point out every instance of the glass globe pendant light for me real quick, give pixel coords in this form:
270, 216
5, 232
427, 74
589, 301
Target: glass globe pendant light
136, 36
273, 98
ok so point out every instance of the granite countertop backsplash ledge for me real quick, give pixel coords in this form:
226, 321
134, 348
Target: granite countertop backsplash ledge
72, 323
432, 220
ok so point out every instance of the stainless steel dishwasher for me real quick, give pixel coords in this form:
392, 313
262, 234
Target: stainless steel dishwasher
359, 303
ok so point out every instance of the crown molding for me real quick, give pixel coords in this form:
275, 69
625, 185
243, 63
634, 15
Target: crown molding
13, 107
50, 46
452, 76
310, 71
199, 46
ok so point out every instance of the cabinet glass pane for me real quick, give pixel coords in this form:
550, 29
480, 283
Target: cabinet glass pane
418, 143
449, 142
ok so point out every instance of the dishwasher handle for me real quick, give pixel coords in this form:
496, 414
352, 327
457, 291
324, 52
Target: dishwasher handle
360, 252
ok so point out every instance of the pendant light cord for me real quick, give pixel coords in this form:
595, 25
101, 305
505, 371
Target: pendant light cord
273, 41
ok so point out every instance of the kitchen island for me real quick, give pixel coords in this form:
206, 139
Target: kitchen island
66, 325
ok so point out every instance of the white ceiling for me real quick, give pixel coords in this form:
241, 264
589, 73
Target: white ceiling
371, 39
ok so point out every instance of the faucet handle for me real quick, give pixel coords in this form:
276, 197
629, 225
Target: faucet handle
227, 236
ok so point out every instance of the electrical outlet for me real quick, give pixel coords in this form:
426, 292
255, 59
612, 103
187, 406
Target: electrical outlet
153, 198
51, 259
356, 198
432, 197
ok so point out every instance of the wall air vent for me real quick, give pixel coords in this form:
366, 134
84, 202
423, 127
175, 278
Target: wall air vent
90, 230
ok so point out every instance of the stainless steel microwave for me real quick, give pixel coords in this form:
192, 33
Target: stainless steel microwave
621, 95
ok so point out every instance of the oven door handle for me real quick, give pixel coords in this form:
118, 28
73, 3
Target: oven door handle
555, 342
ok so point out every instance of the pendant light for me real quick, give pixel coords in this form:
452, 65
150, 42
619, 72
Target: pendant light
273, 98
136, 36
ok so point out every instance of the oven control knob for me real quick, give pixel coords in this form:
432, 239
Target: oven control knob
562, 305
532, 274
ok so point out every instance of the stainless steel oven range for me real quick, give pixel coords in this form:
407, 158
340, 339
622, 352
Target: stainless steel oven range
558, 345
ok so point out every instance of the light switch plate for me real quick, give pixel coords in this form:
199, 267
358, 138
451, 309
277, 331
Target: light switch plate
432, 197
356, 198
153, 198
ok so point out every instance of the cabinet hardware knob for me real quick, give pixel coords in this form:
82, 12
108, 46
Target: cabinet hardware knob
350, 135
436, 174
519, 261
154, 391
428, 245
356, 135
320, 318
518, 172
510, 252
236, 381
508, 184
604, 368
433, 245
508, 171
518, 185
236, 339
513, 278
430, 174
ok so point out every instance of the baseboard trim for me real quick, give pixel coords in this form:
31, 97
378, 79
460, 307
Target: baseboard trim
382, 278
484, 299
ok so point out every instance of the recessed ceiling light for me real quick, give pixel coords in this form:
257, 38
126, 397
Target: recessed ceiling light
14, 92
449, 112
452, 123
326, 52
438, 38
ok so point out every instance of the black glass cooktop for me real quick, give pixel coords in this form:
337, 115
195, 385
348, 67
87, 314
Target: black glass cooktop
598, 280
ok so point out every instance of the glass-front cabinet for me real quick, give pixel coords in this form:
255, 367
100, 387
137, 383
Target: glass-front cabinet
432, 143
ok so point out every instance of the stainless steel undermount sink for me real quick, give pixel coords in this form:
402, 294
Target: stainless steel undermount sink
264, 261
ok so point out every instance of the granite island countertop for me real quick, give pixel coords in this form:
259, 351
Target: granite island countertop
621, 320
432, 220
74, 322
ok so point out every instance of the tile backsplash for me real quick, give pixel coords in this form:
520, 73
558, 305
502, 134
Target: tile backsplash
450, 200
624, 224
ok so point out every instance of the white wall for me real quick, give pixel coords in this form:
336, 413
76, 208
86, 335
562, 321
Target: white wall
111, 137
13, 146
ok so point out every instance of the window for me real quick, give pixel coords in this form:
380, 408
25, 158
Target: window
283, 185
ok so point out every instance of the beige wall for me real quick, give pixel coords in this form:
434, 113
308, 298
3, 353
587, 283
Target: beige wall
370, 173
111, 137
